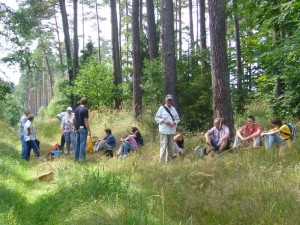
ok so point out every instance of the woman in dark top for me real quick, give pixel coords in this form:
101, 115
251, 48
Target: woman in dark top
178, 143
136, 134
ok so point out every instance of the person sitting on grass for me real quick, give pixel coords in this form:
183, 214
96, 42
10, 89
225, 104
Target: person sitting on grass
217, 138
248, 134
128, 144
136, 134
178, 147
108, 142
279, 136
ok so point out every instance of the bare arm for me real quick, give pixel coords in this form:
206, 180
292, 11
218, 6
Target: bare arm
86, 123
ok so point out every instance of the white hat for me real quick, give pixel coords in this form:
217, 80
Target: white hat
69, 108
169, 97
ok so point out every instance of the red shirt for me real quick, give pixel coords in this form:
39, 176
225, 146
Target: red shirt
247, 130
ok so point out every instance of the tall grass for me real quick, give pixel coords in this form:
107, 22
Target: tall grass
245, 187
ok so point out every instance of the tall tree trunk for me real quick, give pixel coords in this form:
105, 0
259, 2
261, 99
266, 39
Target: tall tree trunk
198, 19
137, 61
168, 48
98, 31
240, 75
180, 30
191, 24
222, 106
76, 47
65, 23
278, 83
152, 34
82, 15
116, 54
127, 36
59, 46
203, 45
49, 77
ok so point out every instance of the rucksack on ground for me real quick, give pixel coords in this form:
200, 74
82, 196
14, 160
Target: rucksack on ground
294, 131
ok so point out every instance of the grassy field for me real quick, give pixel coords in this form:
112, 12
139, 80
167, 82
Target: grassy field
245, 187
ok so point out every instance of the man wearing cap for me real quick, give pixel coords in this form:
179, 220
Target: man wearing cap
167, 118
82, 127
67, 128
22, 132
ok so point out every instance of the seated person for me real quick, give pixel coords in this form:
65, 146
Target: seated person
136, 134
279, 135
217, 138
178, 146
106, 143
248, 134
128, 144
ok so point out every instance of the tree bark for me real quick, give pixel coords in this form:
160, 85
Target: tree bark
191, 24
222, 105
240, 98
168, 48
59, 46
65, 23
116, 54
98, 31
203, 45
137, 61
75, 40
180, 30
152, 34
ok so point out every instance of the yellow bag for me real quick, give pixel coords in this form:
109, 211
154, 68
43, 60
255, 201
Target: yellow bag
89, 145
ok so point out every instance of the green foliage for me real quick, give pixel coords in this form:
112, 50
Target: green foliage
95, 81
153, 83
6, 87
13, 110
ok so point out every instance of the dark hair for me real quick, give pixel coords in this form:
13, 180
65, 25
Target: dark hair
251, 117
84, 101
134, 129
276, 121
107, 130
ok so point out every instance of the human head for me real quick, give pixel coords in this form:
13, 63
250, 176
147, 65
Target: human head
69, 110
26, 112
84, 101
250, 120
108, 130
218, 122
276, 122
30, 117
169, 100
134, 129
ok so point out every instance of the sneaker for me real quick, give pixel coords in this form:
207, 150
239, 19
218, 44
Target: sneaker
124, 156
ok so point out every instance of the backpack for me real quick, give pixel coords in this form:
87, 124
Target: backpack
294, 131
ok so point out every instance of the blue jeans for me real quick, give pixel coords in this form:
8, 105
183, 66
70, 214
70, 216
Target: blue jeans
24, 147
126, 147
31, 145
80, 144
69, 138
273, 140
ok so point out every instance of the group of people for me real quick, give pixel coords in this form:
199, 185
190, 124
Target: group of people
75, 129
217, 138
27, 136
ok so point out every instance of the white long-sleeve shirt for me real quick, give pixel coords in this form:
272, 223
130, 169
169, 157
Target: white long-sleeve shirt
163, 114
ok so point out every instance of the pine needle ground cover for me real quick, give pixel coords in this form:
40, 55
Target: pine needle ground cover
244, 187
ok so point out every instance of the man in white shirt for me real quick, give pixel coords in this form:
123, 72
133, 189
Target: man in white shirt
29, 136
167, 118
23, 120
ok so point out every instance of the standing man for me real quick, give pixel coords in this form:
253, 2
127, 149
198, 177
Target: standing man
29, 136
167, 118
22, 132
82, 127
248, 134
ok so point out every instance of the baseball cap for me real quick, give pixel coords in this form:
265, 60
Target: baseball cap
169, 97
69, 108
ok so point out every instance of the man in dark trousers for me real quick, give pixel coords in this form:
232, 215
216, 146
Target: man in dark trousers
82, 127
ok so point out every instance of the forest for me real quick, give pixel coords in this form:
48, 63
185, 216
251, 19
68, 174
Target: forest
215, 57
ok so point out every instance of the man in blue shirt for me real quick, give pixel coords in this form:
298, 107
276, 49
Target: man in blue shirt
106, 143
